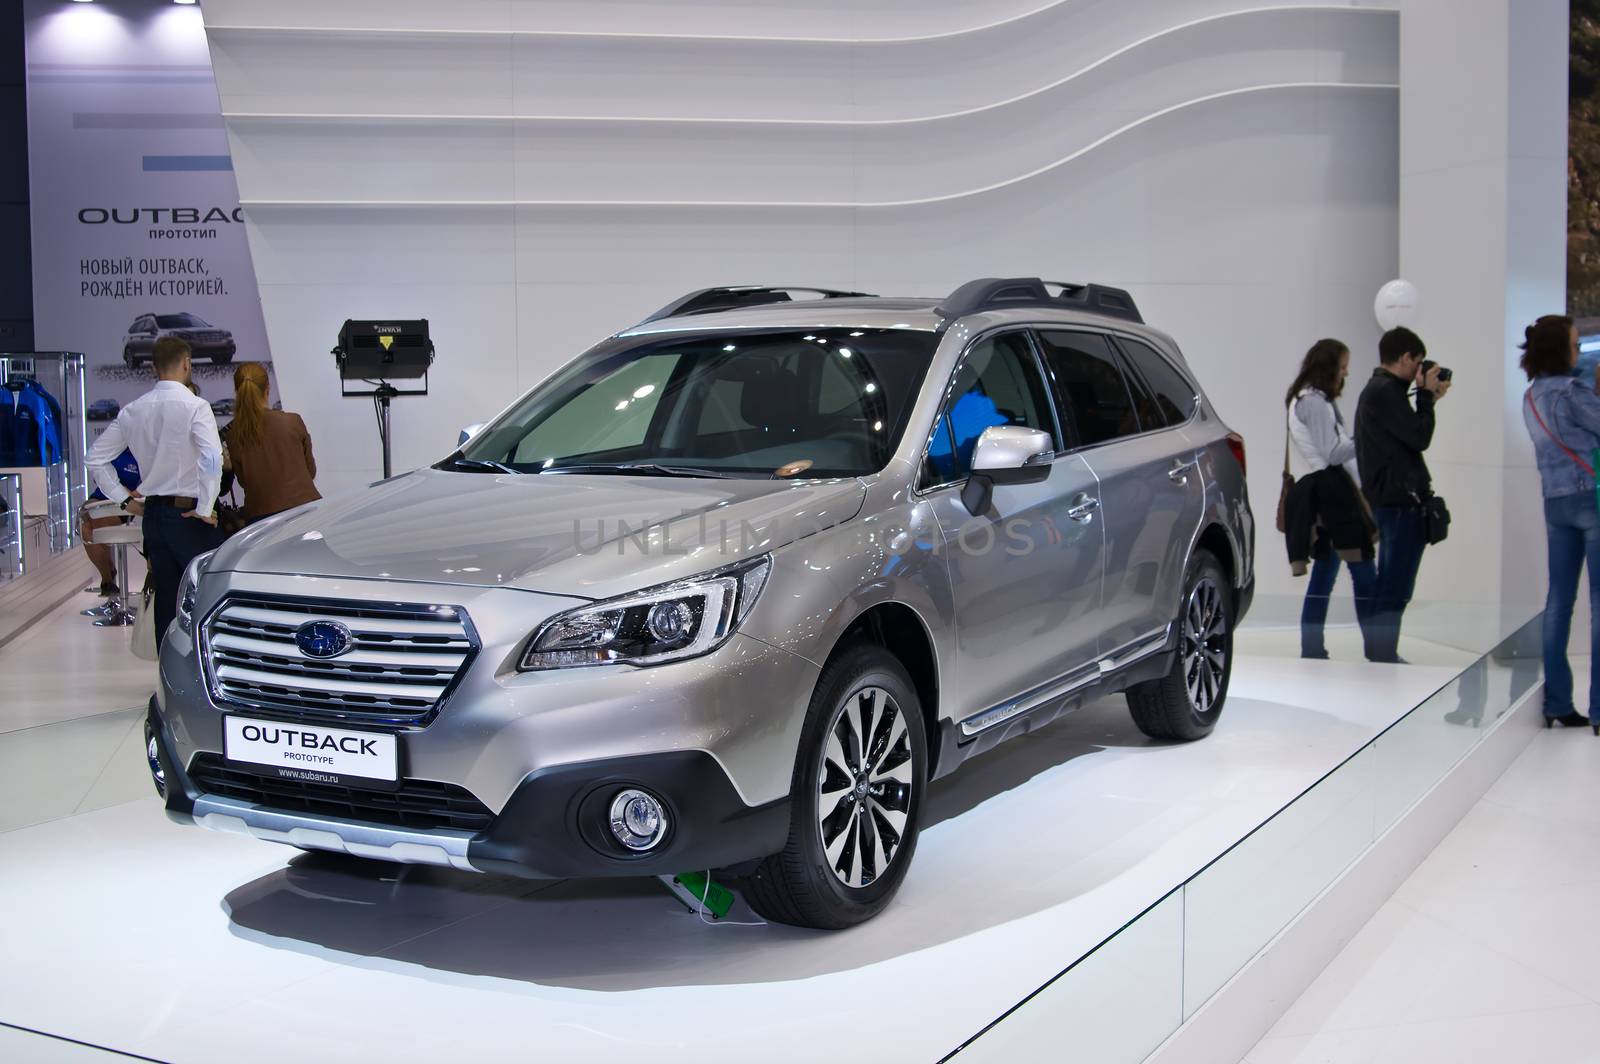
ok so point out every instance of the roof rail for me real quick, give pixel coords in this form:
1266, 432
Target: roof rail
1003, 293
732, 297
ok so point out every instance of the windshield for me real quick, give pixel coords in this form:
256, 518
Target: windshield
795, 403
180, 321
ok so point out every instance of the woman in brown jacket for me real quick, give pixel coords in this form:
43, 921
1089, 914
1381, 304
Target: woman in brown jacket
269, 451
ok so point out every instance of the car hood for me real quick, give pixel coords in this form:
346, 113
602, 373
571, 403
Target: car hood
562, 534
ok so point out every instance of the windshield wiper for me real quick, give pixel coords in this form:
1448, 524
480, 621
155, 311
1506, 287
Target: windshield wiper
648, 469
481, 464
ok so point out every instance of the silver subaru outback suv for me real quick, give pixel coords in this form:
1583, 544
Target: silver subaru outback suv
726, 593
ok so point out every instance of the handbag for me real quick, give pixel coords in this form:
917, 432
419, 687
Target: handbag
143, 639
1435, 520
230, 516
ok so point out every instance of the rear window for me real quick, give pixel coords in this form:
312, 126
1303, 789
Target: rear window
1089, 384
1173, 395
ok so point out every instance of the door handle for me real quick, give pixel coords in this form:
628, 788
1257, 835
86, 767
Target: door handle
1179, 473
1083, 508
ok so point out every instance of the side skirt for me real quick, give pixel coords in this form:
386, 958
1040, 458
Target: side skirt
960, 740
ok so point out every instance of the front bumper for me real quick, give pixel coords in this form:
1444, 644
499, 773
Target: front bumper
213, 349
544, 754
553, 827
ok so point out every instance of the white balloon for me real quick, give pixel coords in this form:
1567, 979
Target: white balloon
1396, 305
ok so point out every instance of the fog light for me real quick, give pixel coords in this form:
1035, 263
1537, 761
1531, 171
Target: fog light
152, 753
670, 621
637, 820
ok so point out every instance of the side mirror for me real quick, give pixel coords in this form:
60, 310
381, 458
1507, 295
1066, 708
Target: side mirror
1005, 454
469, 432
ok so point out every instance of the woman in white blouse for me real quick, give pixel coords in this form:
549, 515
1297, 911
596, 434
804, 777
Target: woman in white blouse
1319, 440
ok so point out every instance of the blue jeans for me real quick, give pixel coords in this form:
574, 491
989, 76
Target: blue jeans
1401, 541
1314, 614
1572, 529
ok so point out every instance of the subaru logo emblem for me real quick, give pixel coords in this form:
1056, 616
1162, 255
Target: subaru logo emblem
322, 639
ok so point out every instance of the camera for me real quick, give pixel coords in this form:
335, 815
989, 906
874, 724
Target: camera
1445, 372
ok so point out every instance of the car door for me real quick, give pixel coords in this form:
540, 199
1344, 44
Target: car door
1026, 573
1150, 487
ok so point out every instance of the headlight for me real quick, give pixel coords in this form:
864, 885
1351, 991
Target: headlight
186, 590
662, 624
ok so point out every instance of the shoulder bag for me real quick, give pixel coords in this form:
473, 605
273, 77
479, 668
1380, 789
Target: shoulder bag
1435, 520
142, 637
230, 516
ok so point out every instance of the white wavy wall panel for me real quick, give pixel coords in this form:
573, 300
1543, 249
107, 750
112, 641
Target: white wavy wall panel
481, 73
530, 192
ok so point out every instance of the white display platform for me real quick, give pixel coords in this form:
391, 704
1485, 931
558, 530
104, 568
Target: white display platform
128, 932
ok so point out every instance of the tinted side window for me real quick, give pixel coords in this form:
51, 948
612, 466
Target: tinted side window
1144, 401
998, 384
1173, 394
1089, 385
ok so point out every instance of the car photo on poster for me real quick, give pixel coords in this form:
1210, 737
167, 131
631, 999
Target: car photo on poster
206, 341
104, 409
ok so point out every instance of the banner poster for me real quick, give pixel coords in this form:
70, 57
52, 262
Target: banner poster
137, 230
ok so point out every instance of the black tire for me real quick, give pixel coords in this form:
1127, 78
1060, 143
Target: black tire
800, 885
1186, 703
127, 356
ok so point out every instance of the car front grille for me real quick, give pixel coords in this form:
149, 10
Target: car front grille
402, 662
418, 804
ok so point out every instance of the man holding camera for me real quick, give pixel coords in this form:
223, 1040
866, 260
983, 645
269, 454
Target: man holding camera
1391, 435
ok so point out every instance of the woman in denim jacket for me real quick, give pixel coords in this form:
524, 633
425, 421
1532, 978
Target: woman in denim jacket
1562, 414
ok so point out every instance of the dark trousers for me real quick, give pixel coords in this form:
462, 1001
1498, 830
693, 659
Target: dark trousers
1572, 530
1314, 614
171, 542
1401, 541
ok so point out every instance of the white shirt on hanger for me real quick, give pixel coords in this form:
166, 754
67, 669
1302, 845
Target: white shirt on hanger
173, 436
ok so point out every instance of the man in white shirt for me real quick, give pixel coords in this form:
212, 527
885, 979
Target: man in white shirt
173, 437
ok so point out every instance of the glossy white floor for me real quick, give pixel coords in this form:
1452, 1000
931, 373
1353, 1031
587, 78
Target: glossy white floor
126, 932
1488, 952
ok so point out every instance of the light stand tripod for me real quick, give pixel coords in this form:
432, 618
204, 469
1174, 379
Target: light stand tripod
381, 397
376, 354
382, 394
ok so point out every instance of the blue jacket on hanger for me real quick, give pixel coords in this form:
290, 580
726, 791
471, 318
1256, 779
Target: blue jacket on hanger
30, 427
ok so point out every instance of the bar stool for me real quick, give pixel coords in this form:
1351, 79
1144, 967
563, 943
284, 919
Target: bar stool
118, 538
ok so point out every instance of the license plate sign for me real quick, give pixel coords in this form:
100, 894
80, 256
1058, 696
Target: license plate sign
310, 752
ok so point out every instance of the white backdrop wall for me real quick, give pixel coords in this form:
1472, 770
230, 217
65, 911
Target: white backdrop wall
532, 176
1483, 235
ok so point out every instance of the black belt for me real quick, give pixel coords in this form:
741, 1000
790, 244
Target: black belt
177, 502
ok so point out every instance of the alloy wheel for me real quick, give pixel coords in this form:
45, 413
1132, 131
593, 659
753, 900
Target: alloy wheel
1204, 645
864, 786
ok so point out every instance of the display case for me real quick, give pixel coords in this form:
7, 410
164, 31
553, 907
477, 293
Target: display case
44, 437
11, 549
